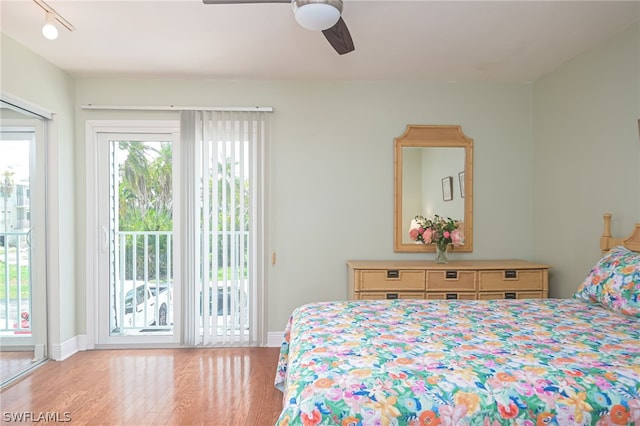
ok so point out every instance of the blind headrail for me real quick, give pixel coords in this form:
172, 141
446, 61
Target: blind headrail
173, 108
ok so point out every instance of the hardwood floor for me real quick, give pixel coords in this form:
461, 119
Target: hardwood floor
222, 386
13, 363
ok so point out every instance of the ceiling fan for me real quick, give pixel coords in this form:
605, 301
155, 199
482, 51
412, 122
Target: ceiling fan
316, 15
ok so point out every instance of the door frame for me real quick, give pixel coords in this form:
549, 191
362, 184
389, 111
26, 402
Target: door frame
96, 338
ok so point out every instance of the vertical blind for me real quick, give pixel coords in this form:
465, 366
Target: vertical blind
224, 228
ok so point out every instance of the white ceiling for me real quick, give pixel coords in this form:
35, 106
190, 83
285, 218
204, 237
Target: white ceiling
399, 40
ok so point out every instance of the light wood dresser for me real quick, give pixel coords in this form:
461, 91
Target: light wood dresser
473, 279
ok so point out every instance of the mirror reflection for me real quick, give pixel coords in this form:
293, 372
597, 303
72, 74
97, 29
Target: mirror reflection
22, 285
432, 180
433, 176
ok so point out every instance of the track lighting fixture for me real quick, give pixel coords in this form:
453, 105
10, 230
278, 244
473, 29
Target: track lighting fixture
49, 30
51, 20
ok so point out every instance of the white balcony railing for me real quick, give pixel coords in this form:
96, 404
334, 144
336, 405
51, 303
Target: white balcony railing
142, 282
15, 283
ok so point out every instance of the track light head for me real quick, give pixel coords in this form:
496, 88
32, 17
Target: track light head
49, 30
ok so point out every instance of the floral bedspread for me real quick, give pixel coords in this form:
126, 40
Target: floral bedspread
498, 362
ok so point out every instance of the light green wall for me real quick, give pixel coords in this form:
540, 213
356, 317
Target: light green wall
538, 188
586, 157
29, 77
331, 196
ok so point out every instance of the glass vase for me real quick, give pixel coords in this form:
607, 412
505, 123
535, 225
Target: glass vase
441, 253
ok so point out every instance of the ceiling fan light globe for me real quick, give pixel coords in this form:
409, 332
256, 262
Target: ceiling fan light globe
317, 16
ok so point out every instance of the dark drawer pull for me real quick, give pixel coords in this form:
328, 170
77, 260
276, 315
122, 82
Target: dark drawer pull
511, 273
393, 273
452, 296
509, 295
392, 296
451, 275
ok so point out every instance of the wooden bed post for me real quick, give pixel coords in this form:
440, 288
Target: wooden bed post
632, 242
606, 235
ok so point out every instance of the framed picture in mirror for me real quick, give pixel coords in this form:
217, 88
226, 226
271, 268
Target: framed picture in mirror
461, 181
447, 188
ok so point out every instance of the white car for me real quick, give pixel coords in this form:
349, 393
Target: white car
144, 312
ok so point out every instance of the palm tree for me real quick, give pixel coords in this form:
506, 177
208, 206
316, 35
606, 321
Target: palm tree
146, 186
134, 175
146, 199
161, 175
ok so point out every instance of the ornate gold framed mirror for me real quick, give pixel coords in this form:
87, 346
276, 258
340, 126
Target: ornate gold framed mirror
433, 175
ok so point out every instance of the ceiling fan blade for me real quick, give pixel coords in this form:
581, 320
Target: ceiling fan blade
243, 1
339, 37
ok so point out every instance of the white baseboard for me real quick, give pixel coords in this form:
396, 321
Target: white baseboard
68, 347
79, 343
274, 338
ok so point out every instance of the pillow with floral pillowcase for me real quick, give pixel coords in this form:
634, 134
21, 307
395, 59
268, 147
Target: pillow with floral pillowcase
614, 282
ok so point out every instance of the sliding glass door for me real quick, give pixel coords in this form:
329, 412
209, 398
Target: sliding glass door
23, 318
177, 225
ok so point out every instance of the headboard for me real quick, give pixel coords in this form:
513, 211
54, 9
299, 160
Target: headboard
607, 242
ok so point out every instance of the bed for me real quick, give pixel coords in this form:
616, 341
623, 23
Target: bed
499, 362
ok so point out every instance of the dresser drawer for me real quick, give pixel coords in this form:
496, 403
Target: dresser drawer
451, 281
489, 295
515, 279
391, 280
451, 296
461, 280
390, 295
